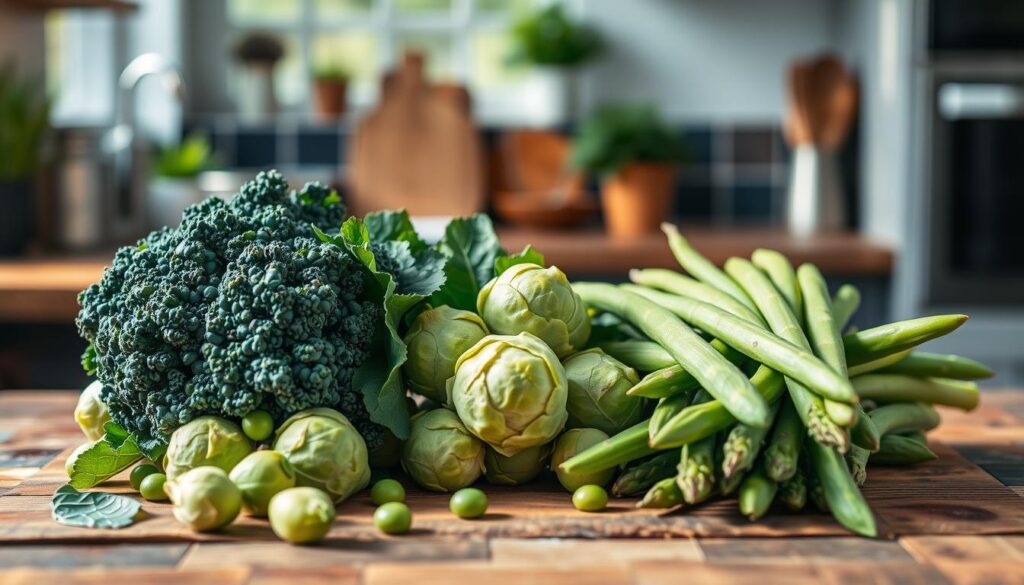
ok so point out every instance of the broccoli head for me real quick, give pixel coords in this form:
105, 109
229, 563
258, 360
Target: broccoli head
236, 309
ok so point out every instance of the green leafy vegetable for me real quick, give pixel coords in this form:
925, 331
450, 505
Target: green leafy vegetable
93, 509
470, 247
103, 461
529, 255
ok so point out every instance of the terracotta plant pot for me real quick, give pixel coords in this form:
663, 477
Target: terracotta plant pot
331, 98
637, 198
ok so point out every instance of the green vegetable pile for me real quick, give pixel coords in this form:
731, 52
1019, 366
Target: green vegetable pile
258, 322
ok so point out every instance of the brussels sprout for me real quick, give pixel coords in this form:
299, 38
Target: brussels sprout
204, 498
518, 469
90, 412
440, 454
69, 463
301, 515
435, 341
597, 392
537, 300
207, 440
569, 444
510, 391
260, 477
326, 451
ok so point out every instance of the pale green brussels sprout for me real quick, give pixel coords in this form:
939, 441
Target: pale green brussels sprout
441, 454
569, 444
69, 463
90, 412
204, 498
301, 515
597, 392
533, 299
326, 451
523, 467
435, 341
260, 477
207, 440
510, 391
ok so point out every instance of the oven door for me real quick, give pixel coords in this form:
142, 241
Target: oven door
977, 235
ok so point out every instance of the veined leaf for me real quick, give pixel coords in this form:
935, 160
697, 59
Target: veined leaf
529, 255
103, 461
470, 247
93, 509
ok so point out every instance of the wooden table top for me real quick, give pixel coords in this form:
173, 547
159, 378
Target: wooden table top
45, 289
956, 520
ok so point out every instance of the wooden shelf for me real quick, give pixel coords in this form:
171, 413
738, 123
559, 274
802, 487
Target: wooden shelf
45, 289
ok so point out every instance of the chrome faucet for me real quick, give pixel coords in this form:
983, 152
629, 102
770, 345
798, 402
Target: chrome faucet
129, 150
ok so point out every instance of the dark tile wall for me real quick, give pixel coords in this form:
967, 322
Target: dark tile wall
734, 174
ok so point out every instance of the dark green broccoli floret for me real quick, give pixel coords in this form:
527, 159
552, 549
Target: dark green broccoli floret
236, 309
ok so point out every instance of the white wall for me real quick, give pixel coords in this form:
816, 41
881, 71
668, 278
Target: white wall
705, 59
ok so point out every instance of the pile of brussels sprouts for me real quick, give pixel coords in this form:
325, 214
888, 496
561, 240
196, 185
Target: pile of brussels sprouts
510, 390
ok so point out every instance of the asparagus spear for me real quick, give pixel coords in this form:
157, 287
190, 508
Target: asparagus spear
781, 273
664, 382
845, 304
756, 494
665, 410
840, 492
716, 375
878, 342
900, 388
696, 477
742, 446
759, 344
857, 459
809, 405
793, 491
902, 450
629, 445
644, 356
700, 420
904, 417
664, 494
701, 268
673, 282
645, 474
934, 365
781, 457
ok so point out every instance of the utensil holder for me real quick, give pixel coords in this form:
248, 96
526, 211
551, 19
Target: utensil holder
815, 196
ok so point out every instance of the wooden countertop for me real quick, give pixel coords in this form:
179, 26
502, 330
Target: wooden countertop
45, 289
959, 519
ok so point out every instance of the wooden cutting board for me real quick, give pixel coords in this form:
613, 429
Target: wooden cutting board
418, 150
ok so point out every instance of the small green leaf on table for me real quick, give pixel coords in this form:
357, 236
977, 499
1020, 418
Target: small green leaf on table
93, 509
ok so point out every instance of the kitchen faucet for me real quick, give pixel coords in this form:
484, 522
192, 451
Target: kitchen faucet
128, 148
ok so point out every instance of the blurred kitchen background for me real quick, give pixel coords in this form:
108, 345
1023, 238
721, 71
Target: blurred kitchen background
880, 139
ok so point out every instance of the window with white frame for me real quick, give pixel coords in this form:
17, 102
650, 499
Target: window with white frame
465, 41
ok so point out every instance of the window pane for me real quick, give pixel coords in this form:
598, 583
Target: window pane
490, 67
264, 10
421, 6
354, 52
436, 48
342, 8
512, 7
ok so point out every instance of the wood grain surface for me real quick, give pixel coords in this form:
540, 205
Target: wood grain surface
955, 520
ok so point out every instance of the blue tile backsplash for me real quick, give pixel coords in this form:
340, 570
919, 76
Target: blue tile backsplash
733, 173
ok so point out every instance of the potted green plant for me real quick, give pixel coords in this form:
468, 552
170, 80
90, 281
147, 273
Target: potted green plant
558, 47
174, 185
636, 154
24, 119
330, 86
257, 53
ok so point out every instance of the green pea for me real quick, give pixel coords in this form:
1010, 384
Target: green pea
590, 498
140, 473
257, 425
387, 490
468, 503
393, 518
152, 487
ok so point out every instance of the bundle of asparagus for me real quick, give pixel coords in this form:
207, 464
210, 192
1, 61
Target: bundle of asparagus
759, 392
